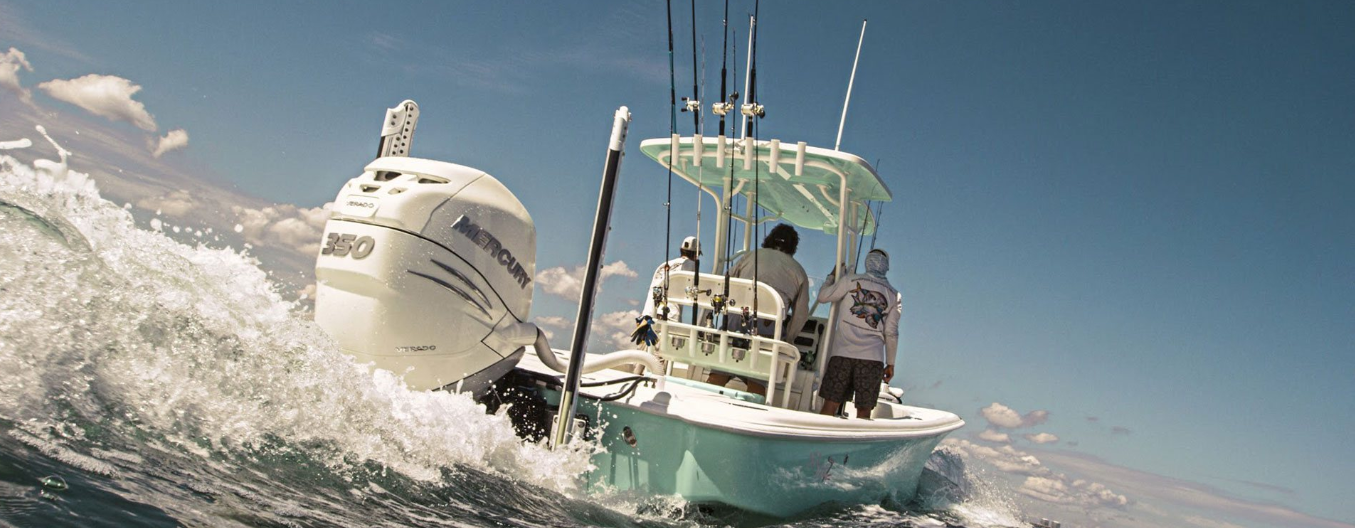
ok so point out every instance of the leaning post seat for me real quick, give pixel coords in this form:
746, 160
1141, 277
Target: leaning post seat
764, 358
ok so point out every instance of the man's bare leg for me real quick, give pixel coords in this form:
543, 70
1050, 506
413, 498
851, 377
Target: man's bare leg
830, 408
863, 413
718, 378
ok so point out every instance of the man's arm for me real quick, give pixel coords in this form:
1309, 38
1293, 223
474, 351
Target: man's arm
832, 290
891, 330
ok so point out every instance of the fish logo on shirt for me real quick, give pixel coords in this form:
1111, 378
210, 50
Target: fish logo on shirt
869, 306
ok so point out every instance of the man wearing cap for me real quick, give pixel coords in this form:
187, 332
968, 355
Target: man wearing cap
644, 333
686, 261
866, 336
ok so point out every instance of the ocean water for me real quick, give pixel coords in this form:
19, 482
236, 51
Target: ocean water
169, 384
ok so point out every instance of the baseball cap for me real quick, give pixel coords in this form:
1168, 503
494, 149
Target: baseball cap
690, 244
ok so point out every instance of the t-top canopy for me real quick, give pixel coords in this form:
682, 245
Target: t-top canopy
804, 189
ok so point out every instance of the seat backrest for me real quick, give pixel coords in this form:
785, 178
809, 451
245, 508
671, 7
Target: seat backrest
683, 289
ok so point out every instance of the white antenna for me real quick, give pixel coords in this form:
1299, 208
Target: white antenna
850, 81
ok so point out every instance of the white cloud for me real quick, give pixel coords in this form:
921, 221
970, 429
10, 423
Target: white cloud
994, 436
614, 329
103, 95
282, 225
557, 281
618, 268
610, 330
176, 204
1045, 489
175, 139
10, 64
1042, 438
1078, 492
999, 415
568, 284
1209, 523
1041, 483
296, 233
554, 321
1006, 458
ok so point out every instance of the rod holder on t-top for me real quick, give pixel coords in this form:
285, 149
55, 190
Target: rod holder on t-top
397, 131
564, 420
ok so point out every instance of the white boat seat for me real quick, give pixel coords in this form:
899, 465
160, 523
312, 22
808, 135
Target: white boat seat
767, 359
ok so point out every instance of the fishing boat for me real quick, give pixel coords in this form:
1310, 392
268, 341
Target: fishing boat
426, 270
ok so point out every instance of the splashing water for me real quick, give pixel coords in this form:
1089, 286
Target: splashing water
173, 385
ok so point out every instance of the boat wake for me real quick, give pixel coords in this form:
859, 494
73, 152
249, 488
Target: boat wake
172, 385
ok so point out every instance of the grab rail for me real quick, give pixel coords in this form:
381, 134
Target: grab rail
764, 358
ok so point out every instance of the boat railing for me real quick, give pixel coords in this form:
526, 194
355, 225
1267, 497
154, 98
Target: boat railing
733, 351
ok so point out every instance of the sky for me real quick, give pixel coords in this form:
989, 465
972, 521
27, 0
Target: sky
1123, 231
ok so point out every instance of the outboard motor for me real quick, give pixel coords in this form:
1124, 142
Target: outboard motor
426, 268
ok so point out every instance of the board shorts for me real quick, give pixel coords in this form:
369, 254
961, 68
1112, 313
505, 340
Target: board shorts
849, 376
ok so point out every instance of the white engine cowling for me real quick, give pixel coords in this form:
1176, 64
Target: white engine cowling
420, 262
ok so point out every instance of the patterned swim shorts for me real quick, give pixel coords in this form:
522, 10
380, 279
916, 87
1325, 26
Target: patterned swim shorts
848, 376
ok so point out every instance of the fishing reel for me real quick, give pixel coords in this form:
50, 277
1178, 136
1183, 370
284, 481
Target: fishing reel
753, 110
719, 303
722, 108
691, 105
692, 291
746, 324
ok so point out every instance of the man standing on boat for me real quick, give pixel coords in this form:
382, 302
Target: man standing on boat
867, 336
775, 266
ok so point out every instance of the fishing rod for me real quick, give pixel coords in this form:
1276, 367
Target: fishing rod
879, 213
672, 158
861, 236
751, 109
721, 108
693, 104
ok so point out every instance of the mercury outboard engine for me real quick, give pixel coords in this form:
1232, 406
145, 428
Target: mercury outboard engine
426, 268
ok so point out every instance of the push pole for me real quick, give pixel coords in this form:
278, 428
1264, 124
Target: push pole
564, 420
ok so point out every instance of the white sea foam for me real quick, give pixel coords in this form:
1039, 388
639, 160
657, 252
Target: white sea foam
195, 346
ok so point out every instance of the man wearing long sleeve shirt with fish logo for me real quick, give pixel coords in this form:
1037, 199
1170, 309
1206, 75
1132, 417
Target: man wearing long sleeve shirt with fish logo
867, 339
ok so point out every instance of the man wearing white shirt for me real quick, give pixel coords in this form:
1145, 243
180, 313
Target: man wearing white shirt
686, 261
866, 336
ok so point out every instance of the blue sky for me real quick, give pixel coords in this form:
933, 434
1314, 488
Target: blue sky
1134, 216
